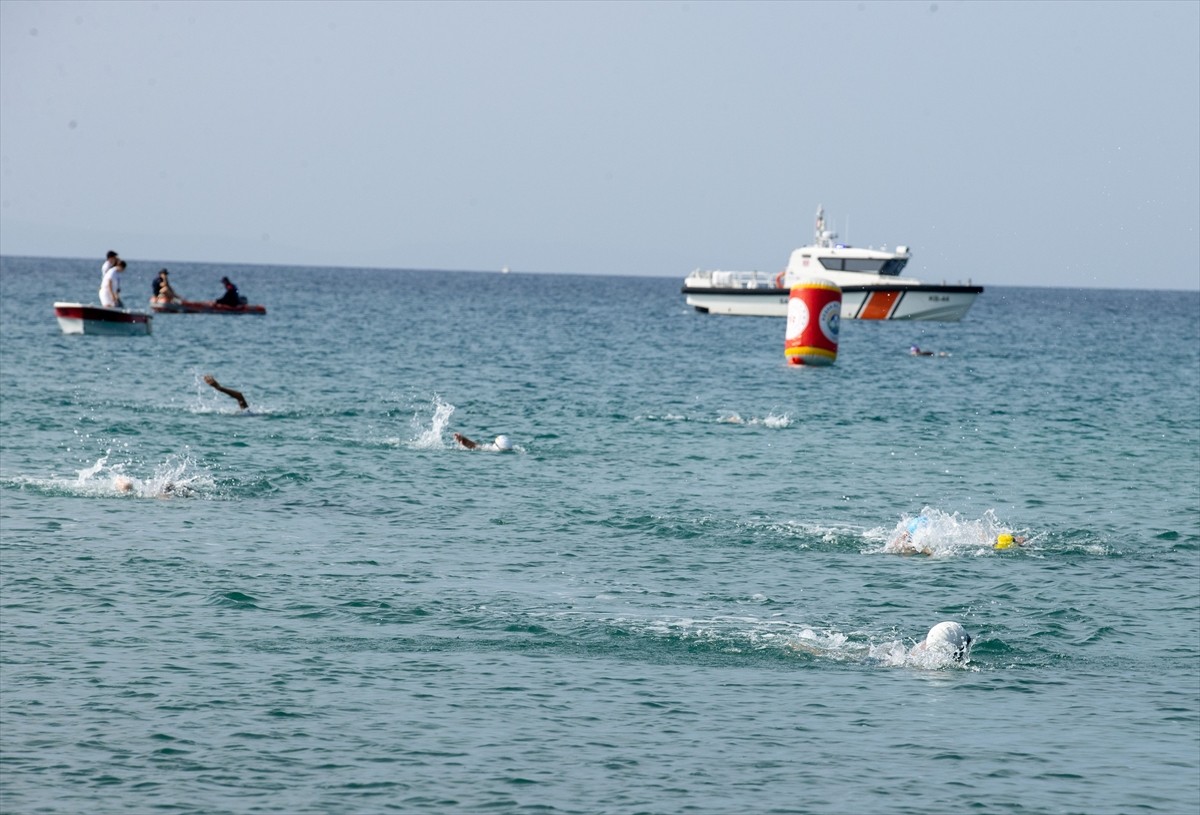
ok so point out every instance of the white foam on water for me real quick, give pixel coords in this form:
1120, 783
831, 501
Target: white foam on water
937, 533
428, 427
178, 476
774, 421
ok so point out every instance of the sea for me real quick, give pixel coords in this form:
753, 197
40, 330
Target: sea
675, 594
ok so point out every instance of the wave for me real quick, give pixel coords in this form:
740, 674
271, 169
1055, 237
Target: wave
771, 420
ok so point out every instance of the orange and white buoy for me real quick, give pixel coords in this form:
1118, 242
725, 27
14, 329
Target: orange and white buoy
813, 317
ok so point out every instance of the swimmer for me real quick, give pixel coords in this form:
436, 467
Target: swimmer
948, 639
903, 543
241, 400
500, 445
123, 483
917, 352
173, 490
1006, 540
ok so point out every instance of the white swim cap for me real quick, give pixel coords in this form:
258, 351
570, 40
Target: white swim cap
949, 638
503, 443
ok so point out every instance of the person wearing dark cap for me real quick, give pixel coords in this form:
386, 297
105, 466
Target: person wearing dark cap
231, 296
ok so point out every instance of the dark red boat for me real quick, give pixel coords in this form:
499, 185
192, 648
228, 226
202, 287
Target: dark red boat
203, 307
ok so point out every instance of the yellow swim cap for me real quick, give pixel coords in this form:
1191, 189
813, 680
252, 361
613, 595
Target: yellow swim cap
1004, 541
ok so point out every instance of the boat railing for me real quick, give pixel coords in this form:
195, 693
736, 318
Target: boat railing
721, 279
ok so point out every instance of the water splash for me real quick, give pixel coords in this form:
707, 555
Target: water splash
940, 534
786, 639
429, 437
774, 421
179, 476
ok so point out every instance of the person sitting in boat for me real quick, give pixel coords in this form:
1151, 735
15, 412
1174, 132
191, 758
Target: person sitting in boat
231, 296
500, 445
163, 293
110, 288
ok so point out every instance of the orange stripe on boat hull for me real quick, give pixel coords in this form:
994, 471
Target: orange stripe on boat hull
879, 305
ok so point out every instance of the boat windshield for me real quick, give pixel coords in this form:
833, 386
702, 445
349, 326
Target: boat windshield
882, 266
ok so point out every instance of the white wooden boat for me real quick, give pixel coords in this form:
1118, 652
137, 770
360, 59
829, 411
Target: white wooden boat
83, 318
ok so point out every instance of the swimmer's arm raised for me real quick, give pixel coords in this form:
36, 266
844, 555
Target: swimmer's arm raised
241, 400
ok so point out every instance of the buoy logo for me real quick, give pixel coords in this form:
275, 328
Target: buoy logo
831, 320
797, 318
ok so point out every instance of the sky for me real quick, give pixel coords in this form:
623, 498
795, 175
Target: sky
1007, 143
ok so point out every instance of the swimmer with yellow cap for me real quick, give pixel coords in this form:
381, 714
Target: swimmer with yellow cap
1006, 540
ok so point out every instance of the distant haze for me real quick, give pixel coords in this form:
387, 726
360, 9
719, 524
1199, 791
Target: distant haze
1053, 144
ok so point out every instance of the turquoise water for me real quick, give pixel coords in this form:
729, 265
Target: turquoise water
674, 596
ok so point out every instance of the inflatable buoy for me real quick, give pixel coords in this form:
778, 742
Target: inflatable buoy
813, 318
779, 280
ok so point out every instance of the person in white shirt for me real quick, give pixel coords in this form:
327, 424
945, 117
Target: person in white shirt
110, 288
109, 262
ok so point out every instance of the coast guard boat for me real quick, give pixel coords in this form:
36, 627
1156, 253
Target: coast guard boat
872, 288
81, 318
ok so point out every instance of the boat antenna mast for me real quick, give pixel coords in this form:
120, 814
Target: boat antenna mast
823, 237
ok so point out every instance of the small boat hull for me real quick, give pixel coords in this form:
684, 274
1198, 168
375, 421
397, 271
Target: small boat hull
941, 303
81, 318
204, 307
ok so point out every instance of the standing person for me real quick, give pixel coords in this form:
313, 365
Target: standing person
231, 296
110, 287
109, 261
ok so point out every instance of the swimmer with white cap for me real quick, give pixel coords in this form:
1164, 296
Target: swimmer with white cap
947, 639
500, 445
